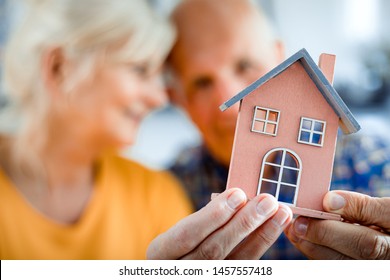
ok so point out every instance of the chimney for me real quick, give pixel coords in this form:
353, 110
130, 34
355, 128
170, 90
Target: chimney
326, 64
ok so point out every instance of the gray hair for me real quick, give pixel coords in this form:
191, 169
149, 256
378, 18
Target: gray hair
84, 30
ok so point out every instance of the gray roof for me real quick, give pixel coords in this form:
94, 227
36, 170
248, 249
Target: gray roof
347, 121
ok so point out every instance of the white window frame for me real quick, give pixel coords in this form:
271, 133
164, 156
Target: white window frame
266, 121
311, 131
279, 182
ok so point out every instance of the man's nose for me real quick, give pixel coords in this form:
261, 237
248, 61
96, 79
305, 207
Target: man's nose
226, 89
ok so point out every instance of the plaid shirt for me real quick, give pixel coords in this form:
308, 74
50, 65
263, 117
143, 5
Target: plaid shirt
362, 164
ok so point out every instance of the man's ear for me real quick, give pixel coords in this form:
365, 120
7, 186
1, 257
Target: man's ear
53, 70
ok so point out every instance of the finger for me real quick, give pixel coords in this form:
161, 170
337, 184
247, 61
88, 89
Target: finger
354, 241
359, 208
251, 216
258, 242
188, 233
311, 250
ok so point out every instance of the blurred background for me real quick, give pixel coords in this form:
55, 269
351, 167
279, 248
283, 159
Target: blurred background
356, 31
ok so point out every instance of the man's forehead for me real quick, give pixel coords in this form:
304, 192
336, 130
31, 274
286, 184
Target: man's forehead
194, 58
217, 47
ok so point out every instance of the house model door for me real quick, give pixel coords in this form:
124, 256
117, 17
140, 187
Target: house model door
280, 175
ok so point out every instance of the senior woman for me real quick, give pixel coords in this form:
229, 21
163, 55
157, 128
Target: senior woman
80, 76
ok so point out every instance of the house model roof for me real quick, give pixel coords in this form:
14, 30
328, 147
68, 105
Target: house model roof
347, 121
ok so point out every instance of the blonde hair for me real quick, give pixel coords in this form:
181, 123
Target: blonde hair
84, 31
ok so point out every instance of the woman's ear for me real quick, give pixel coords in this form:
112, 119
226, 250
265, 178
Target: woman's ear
53, 70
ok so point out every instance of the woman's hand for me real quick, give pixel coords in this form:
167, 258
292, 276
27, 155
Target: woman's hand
365, 233
229, 227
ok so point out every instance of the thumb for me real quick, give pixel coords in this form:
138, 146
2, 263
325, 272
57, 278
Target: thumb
359, 208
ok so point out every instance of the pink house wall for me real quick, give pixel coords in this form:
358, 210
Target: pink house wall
295, 95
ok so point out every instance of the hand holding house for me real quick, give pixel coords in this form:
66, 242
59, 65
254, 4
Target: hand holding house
286, 134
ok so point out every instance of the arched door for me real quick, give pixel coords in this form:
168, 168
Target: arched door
280, 175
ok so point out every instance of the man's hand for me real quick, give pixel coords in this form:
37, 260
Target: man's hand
229, 227
364, 234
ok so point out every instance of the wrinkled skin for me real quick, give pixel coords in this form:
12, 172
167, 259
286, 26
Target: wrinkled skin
364, 233
229, 227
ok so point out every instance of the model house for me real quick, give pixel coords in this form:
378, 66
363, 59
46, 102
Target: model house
286, 133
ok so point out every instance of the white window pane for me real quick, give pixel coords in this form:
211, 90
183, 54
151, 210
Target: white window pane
273, 116
260, 114
290, 176
305, 136
268, 187
317, 138
258, 126
306, 124
271, 172
271, 128
286, 194
318, 126
290, 161
275, 157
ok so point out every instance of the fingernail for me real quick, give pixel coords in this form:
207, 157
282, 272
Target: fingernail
266, 205
291, 234
236, 198
336, 201
300, 226
281, 217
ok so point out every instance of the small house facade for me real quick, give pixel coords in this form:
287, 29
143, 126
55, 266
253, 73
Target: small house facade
286, 132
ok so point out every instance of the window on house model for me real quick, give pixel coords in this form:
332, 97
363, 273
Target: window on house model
265, 121
312, 132
280, 175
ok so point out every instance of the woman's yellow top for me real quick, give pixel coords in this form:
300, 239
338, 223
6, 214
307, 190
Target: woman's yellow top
130, 206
